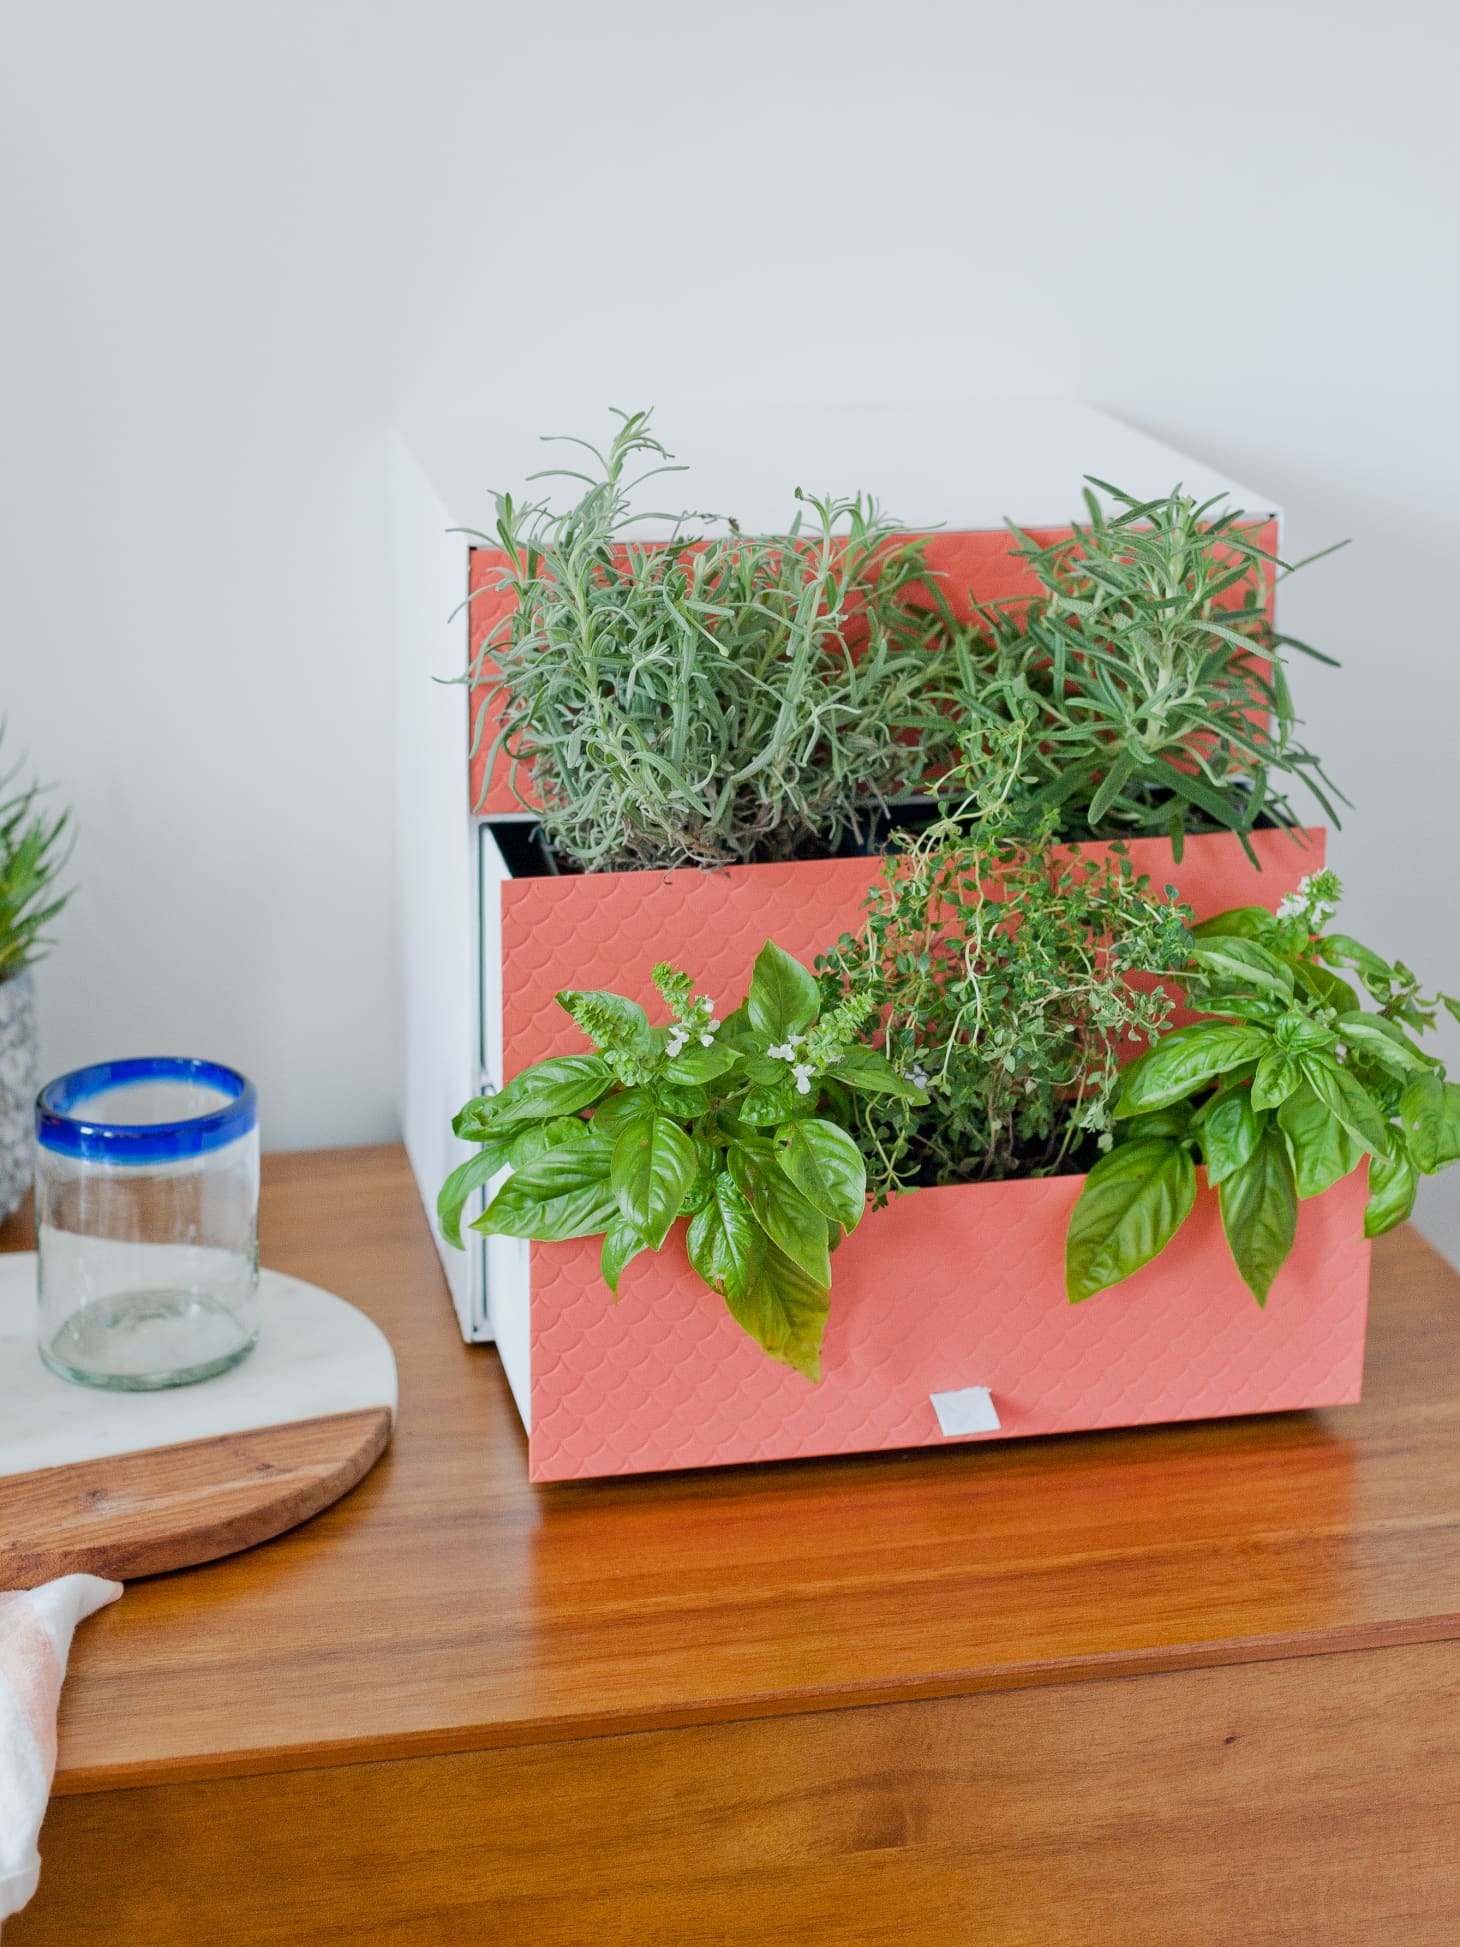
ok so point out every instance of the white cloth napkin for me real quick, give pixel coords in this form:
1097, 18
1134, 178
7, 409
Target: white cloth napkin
35, 1636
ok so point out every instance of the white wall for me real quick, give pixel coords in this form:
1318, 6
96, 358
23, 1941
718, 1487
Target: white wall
239, 243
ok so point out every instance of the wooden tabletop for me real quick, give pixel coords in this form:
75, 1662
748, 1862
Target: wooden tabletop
448, 1605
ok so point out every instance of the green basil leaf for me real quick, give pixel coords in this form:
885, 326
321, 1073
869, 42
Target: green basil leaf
468, 1177
1393, 1182
1340, 950
724, 1241
1183, 1062
787, 1218
615, 1111
556, 1087
1430, 1112
784, 998
609, 1020
783, 1309
1323, 1149
1375, 1039
1260, 1214
1240, 923
1345, 1097
826, 1166
697, 1064
773, 1102
870, 1072
1171, 1122
480, 1121
1325, 986
564, 1193
654, 1163
683, 1103
702, 1184
537, 1137
622, 1243
1278, 1074
1245, 964
763, 1070
736, 1032
1231, 1129
1134, 1201
1297, 1033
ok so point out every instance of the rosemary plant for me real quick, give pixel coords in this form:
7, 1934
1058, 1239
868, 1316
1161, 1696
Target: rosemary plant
707, 701
1149, 678
34, 849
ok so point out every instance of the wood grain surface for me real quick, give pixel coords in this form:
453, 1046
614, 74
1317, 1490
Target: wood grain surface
448, 1605
170, 1507
1307, 1803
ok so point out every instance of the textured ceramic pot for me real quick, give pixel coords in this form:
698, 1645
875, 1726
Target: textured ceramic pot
19, 1080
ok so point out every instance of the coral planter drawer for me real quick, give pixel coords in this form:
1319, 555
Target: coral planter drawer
943, 1290
607, 929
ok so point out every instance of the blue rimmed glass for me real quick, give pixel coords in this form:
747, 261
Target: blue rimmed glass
147, 1193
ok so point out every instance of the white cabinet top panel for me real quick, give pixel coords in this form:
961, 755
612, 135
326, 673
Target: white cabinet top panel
962, 464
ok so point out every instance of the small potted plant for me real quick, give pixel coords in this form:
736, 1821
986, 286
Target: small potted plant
33, 854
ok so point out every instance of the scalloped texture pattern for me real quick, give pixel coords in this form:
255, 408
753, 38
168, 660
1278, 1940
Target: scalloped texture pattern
607, 929
978, 566
943, 1289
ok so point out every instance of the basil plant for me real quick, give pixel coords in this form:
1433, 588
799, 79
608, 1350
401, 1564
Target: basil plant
739, 1125
1286, 1087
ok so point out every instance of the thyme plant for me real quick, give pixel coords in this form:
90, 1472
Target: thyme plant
1147, 674
999, 967
34, 849
706, 701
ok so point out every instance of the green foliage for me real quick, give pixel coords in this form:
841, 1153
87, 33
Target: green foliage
1146, 676
707, 701
1284, 1089
999, 973
739, 1125
34, 851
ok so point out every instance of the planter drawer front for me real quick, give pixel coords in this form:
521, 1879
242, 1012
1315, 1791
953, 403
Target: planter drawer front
607, 929
975, 566
945, 1289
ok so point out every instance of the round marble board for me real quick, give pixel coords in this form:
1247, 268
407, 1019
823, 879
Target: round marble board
128, 1484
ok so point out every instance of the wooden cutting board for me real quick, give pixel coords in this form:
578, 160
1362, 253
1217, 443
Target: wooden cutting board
129, 1484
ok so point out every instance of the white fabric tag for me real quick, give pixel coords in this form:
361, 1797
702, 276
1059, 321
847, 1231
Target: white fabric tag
970, 1411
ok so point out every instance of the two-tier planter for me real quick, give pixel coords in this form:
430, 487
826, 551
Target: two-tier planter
949, 1319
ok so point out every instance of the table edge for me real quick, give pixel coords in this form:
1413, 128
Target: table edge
525, 1733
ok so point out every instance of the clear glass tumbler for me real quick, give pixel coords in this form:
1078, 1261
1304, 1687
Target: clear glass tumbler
147, 1196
